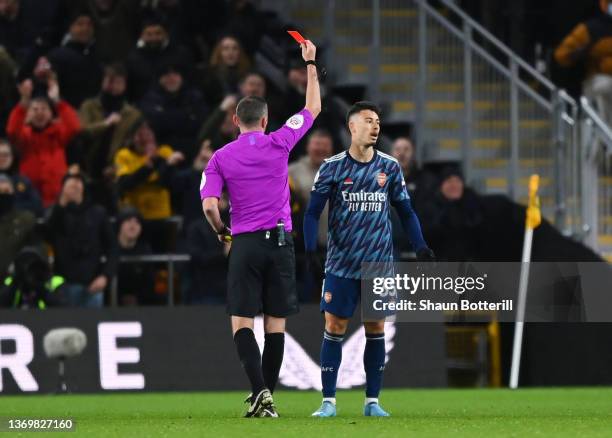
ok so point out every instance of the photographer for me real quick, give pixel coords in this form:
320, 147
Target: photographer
33, 286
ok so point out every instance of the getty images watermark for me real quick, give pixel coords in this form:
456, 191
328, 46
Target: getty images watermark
482, 291
386, 287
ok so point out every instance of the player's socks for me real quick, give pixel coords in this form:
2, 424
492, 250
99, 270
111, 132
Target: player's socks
249, 354
331, 356
374, 363
272, 358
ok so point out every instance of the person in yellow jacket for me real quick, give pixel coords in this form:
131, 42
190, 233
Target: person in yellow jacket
144, 171
591, 42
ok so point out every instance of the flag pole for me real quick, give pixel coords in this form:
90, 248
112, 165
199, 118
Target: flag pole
532, 221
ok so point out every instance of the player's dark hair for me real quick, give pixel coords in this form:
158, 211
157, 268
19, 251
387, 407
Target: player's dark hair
360, 106
251, 109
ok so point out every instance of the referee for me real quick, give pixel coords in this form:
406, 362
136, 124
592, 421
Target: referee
261, 276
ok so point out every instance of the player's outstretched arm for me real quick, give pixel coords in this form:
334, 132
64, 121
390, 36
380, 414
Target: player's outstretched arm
412, 226
313, 91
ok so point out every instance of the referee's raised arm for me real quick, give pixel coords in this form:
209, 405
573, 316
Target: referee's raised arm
313, 91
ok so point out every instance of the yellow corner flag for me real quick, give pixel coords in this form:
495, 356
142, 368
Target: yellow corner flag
534, 216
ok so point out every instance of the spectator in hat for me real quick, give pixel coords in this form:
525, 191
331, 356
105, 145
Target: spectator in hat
108, 121
452, 217
16, 226
80, 234
78, 69
41, 138
228, 65
175, 110
135, 281
26, 196
153, 50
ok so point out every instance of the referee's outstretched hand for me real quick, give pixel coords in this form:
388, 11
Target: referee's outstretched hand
309, 51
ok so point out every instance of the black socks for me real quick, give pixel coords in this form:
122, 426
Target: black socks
272, 360
248, 351
262, 372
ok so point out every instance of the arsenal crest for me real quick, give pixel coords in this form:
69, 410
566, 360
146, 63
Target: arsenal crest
382, 179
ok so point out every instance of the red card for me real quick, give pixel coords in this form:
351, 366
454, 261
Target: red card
297, 36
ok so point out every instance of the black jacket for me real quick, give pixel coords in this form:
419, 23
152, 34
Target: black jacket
80, 236
136, 278
176, 118
186, 191
144, 64
208, 265
79, 71
451, 228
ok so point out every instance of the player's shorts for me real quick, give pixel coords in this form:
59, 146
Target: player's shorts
261, 276
340, 296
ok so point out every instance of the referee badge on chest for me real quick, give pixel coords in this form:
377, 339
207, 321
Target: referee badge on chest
381, 178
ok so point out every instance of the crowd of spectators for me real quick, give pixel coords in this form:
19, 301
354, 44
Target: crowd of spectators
109, 112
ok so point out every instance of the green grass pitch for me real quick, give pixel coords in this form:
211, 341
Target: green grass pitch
584, 412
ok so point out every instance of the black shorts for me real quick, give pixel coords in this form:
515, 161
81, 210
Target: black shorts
261, 276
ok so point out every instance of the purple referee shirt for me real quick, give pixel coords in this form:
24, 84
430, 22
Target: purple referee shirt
254, 170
